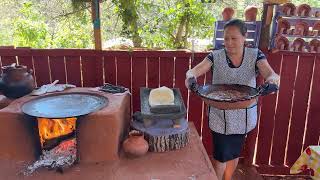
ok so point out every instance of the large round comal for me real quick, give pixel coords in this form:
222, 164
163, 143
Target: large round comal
64, 105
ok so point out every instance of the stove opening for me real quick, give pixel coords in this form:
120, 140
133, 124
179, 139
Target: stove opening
58, 144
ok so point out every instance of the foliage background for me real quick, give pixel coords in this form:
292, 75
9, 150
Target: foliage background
153, 23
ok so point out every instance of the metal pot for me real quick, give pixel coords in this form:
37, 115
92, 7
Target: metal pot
247, 96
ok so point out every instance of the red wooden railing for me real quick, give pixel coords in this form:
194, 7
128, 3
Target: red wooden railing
288, 119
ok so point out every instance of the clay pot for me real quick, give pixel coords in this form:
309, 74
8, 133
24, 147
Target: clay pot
283, 26
298, 45
135, 145
250, 13
317, 14
301, 28
282, 43
227, 13
16, 81
316, 29
303, 10
314, 45
289, 9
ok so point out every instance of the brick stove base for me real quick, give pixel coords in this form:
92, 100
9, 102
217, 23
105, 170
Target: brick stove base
99, 134
189, 163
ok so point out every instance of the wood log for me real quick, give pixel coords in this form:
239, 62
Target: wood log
49, 144
162, 137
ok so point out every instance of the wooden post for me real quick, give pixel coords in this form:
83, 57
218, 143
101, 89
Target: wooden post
95, 7
265, 27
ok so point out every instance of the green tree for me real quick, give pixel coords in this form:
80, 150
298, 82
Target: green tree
74, 32
170, 24
30, 28
127, 10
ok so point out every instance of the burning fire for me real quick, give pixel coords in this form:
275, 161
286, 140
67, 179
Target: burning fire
62, 151
53, 128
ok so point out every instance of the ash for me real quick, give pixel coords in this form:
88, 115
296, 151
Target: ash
62, 156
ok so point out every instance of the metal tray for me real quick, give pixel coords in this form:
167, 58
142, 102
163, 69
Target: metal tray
157, 112
64, 105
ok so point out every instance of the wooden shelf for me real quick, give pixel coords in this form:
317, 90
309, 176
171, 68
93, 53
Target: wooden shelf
292, 20
299, 36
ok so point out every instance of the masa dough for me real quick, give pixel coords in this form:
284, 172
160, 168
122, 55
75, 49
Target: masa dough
161, 96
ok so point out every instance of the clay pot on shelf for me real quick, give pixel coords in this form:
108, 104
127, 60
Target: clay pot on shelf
314, 46
227, 13
301, 28
250, 13
16, 81
290, 31
303, 10
317, 14
135, 145
316, 29
283, 26
289, 9
298, 45
282, 43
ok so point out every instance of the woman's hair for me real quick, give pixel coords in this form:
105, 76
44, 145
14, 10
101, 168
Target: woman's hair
237, 23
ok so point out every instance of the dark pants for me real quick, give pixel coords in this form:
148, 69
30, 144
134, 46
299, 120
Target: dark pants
227, 147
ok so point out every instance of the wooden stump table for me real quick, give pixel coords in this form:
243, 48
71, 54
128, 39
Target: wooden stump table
162, 136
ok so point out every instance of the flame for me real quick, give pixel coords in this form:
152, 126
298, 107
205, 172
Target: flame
52, 128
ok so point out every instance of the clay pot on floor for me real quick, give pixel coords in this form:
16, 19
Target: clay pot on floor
289, 9
135, 145
250, 13
303, 10
227, 13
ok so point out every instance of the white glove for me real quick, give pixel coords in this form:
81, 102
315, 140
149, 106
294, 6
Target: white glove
274, 79
189, 75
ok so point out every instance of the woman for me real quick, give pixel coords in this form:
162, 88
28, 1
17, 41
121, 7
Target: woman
235, 64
